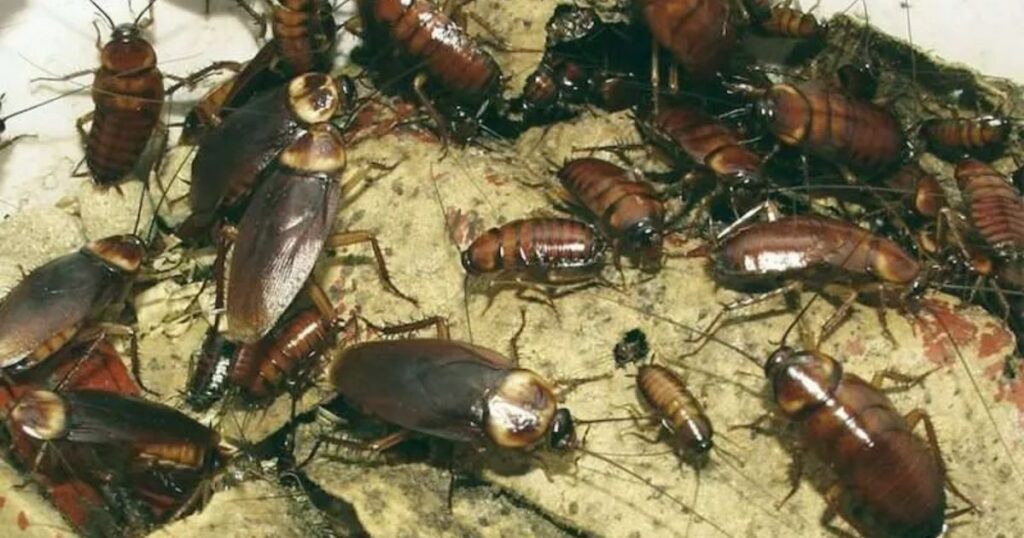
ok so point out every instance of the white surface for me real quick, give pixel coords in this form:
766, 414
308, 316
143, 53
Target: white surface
55, 37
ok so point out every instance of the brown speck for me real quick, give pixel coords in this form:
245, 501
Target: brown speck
22, 520
990, 343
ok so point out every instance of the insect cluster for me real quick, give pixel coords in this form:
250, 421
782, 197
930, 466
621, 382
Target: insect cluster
654, 149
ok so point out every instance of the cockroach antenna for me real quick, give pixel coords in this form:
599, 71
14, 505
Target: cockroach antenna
106, 16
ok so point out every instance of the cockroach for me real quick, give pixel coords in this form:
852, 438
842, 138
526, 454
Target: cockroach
544, 251
303, 42
788, 253
446, 57
452, 390
925, 197
699, 33
65, 299
889, 484
858, 80
632, 347
628, 210
211, 368
831, 125
784, 21
682, 417
128, 92
982, 137
122, 440
233, 157
994, 206
707, 142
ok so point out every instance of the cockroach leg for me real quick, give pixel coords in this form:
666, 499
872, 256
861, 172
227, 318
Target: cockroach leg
418, 85
80, 124
921, 416
193, 78
258, 18
389, 441
513, 342
795, 472
905, 381
704, 336
838, 316
7, 143
363, 236
103, 329
64, 78
440, 324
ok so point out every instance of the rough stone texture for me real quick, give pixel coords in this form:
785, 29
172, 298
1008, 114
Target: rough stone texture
24, 512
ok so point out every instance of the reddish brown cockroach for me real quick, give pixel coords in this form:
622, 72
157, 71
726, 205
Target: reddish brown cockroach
995, 207
707, 142
629, 213
699, 33
233, 157
128, 92
784, 21
548, 252
682, 417
462, 73
983, 137
833, 126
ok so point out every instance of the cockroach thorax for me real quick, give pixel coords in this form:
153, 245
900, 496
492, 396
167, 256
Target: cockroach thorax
41, 414
128, 51
314, 97
520, 410
124, 252
321, 149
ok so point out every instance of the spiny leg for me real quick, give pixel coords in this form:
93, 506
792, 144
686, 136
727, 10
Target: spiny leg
363, 236
920, 416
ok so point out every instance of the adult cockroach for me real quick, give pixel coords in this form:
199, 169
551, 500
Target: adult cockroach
832, 125
983, 137
995, 207
459, 70
128, 92
303, 42
234, 156
706, 141
548, 252
788, 253
627, 209
699, 33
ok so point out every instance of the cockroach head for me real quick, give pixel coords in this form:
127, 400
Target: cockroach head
520, 410
124, 252
125, 33
563, 431
778, 359
314, 97
41, 414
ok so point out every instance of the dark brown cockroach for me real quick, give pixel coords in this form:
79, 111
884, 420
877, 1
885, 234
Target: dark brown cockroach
784, 21
955, 138
123, 440
210, 373
543, 251
889, 484
833, 126
995, 207
707, 142
627, 209
699, 33
788, 253
128, 92
682, 417
303, 42
443, 54
232, 157
453, 390
65, 299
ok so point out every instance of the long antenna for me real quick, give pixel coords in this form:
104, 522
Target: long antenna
110, 21
148, 7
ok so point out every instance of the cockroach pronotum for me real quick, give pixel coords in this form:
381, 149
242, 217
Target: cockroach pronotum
64, 299
780, 254
699, 33
235, 155
549, 252
995, 207
627, 209
707, 142
833, 126
465, 75
955, 138
128, 92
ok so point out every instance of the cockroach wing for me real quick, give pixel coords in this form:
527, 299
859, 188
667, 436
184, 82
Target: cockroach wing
55, 298
101, 417
437, 387
236, 152
280, 238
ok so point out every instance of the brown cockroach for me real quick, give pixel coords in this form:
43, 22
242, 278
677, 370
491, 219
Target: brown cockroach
445, 56
122, 440
232, 157
832, 125
956, 138
628, 211
707, 142
786, 254
994, 206
699, 33
544, 251
784, 21
128, 92
682, 417
65, 299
